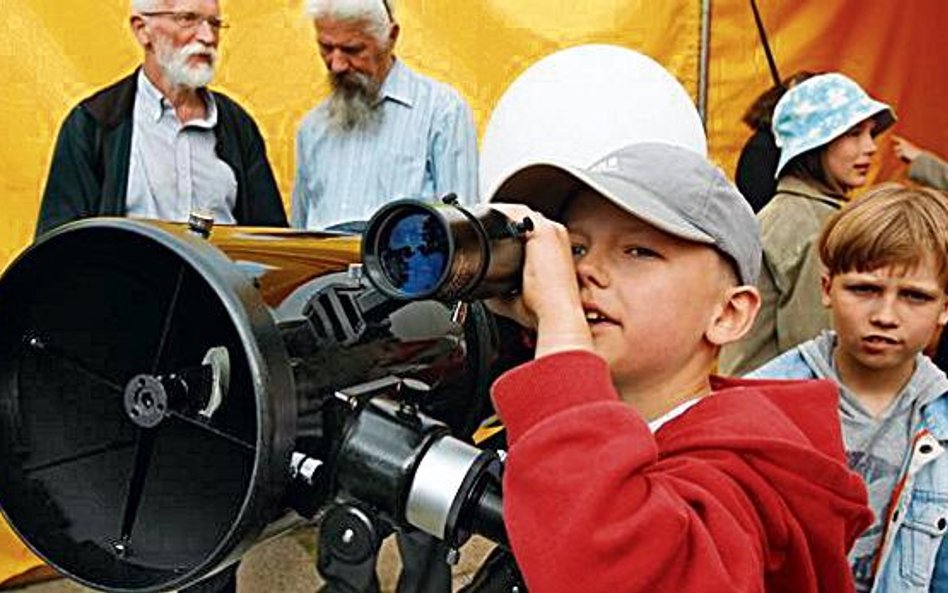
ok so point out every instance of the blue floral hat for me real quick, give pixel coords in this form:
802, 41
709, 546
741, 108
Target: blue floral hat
821, 109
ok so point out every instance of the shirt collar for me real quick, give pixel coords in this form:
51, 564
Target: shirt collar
398, 85
150, 98
156, 104
675, 412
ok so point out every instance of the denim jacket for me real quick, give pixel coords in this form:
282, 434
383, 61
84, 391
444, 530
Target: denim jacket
914, 557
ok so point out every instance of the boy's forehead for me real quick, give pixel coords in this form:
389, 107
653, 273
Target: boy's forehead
924, 269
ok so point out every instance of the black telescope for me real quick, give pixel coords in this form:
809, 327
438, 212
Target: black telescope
171, 395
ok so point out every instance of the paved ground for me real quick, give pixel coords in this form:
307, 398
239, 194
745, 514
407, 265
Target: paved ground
285, 565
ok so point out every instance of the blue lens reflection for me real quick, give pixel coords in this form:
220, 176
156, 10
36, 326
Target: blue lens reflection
413, 253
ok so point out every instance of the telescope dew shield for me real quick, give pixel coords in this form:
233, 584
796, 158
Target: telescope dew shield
414, 250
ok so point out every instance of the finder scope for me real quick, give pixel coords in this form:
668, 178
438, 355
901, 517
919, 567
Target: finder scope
414, 250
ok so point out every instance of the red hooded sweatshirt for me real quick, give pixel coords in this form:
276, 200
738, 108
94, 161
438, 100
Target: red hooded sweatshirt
746, 491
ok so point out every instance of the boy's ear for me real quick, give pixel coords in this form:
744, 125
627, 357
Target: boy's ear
826, 282
735, 316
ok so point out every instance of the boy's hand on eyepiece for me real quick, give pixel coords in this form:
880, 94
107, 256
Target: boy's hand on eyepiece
549, 301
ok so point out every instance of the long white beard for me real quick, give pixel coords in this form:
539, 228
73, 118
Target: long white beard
174, 64
353, 102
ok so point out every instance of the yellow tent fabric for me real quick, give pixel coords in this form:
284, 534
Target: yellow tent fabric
54, 53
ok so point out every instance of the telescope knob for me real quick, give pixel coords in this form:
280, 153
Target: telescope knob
412, 393
525, 226
348, 533
305, 468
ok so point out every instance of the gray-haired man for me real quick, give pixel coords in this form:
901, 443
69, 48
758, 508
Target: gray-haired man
159, 144
385, 132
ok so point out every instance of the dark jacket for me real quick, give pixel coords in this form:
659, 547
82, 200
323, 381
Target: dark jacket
88, 175
756, 168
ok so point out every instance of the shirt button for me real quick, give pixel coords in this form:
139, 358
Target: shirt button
942, 524
925, 449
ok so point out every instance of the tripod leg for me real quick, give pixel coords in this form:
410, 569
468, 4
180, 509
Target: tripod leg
424, 565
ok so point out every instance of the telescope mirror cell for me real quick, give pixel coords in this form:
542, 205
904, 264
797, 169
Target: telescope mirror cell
108, 469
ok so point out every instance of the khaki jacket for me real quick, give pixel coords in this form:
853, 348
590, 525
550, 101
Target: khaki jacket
929, 170
791, 305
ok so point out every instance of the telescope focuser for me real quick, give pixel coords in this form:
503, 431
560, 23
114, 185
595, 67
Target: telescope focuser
407, 468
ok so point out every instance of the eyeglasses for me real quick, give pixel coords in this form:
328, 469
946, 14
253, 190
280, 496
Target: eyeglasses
388, 11
188, 20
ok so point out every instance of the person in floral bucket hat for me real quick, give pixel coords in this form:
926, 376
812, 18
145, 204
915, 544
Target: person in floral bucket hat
825, 128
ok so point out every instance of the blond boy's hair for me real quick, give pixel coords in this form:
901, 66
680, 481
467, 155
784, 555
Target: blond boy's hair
890, 225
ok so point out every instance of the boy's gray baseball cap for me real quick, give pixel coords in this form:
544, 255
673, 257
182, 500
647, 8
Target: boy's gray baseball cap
669, 187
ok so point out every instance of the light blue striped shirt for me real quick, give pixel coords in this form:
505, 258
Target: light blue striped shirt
424, 147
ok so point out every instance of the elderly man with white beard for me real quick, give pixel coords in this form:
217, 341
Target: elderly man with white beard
158, 144
385, 132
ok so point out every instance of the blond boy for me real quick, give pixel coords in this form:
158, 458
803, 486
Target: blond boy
630, 468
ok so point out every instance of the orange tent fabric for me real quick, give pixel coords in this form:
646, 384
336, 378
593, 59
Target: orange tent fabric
895, 50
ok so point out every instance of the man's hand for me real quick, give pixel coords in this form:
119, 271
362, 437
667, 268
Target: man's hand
904, 149
550, 299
